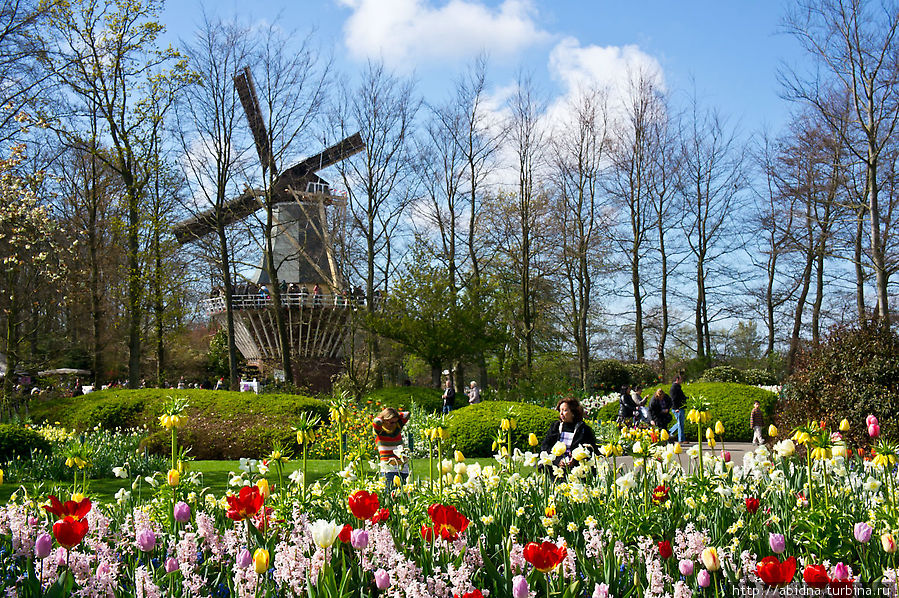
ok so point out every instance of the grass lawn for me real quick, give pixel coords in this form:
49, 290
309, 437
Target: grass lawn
216, 476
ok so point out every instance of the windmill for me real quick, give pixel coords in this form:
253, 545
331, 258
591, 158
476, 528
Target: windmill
303, 248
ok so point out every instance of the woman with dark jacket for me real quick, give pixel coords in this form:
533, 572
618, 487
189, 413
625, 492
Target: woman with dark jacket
571, 430
660, 410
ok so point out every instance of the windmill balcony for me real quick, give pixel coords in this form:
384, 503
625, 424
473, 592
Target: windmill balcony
216, 305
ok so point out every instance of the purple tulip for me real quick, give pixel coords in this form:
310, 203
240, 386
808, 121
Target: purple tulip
862, 532
840, 572
520, 587
359, 539
382, 579
244, 558
777, 542
146, 540
704, 579
171, 565
685, 567
42, 546
182, 512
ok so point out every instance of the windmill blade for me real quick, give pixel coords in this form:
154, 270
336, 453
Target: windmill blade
332, 155
246, 91
204, 223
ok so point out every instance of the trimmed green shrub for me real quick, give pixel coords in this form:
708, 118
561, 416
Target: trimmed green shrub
220, 424
642, 374
19, 441
473, 428
723, 373
401, 397
855, 372
609, 375
757, 377
731, 403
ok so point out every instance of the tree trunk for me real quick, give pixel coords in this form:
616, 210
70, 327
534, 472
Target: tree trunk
859, 269
134, 285
638, 304
275, 292
233, 375
436, 373
881, 276
700, 297
663, 333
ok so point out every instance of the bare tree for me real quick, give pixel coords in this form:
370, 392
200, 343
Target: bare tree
579, 150
211, 117
855, 46
379, 182
712, 179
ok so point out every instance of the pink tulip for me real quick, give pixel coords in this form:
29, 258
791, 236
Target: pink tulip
382, 579
171, 565
862, 532
520, 587
182, 512
704, 579
777, 542
871, 420
685, 567
873, 430
359, 539
244, 558
840, 572
726, 456
146, 540
42, 546
601, 590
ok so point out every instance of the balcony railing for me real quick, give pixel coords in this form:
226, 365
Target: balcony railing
215, 305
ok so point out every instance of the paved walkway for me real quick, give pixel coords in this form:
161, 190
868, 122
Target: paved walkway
736, 450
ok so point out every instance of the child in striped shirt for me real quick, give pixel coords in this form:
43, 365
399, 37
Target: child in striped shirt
388, 428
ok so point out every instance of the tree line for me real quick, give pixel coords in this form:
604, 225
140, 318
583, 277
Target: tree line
629, 222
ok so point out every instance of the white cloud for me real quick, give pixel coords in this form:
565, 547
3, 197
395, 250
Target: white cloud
611, 68
406, 33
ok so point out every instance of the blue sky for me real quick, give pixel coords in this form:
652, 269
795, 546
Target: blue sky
731, 50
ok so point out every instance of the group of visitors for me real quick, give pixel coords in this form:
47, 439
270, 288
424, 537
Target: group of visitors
449, 395
253, 296
657, 411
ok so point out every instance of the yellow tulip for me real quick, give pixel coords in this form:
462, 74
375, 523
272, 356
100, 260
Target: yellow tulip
1, 476
264, 489
457, 479
709, 435
532, 440
712, 443
710, 559
678, 449
663, 436
844, 425
173, 477
719, 428
261, 560
459, 456
888, 542
398, 481
772, 431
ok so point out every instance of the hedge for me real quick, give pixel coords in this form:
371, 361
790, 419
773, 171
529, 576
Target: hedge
401, 397
19, 441
473, 428
731, 403
220, 424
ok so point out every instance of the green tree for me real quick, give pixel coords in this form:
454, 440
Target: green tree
423, 314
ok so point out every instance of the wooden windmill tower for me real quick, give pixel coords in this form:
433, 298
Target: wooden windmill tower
307, 218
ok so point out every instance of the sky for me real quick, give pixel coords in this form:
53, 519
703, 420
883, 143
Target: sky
726, 52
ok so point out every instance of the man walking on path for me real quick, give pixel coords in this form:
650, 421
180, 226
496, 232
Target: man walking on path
678, 406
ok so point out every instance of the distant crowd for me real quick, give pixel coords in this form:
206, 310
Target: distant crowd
251, 295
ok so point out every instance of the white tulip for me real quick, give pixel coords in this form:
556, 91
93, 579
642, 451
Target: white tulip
324, 533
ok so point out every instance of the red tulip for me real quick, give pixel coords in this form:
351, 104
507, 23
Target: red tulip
381, 515
873, 430
448, 522
752, 504
660, 494
665, 549
70, 508
842, 587
344, 535
69, 531
775, 573
545, 556
363, 505
427, 533
816, 576
472, 594
246, 504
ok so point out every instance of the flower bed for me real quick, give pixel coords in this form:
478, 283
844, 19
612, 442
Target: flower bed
811, 514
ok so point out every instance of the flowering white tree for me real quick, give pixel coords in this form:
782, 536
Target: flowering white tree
29, 255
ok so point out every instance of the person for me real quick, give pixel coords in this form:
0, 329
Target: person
316, 295
220, 385
181, 383
474, 393
303, 294
660, 409
76, 389
449, 396
388, 429
678, 405
757, 422
571, 430
626, 406
641, 411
